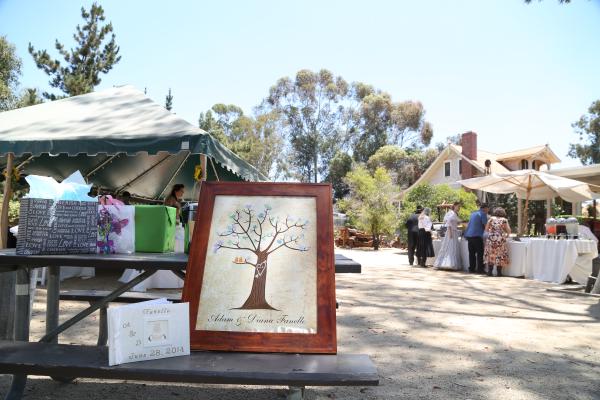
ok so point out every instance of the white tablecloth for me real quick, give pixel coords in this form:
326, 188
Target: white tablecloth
66, 273
77, 272
553, 260
545, 260
516, 252
161, 279
587, 250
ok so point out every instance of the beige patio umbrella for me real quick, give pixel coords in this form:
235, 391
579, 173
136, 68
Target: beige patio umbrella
530, 184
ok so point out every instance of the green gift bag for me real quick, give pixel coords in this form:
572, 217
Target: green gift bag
155, 229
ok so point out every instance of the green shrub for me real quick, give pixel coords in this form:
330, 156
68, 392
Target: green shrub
13, 211
431, 196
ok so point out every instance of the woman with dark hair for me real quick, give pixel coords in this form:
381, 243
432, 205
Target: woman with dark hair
174, 199
424, 242
496, 249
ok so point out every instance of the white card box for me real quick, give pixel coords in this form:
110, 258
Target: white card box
148, 331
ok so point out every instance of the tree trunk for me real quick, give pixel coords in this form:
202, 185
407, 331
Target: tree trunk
375, 242
316, 163
256, 300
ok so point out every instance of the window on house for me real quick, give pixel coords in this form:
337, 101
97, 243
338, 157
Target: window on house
447, 168
524, 164
535, 165
460, 166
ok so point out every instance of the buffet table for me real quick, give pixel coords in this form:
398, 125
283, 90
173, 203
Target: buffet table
543, 259
552, 260
516, 254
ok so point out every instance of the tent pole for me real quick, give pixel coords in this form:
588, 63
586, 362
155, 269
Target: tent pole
143, 174
173, 177
526, 211
204, 165
212, 163
99, 166
6, 201
519, 216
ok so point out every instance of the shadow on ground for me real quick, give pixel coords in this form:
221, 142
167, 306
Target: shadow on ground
432, 334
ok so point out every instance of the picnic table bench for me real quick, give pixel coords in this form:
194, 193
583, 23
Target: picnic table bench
294, 370
65, 362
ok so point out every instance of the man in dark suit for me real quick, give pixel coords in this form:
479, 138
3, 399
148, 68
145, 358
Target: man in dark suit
412, 225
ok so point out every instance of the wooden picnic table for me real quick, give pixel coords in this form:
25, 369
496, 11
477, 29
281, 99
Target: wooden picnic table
149, 263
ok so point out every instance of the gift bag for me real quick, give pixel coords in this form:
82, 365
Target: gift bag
56, 227
155, 228
57, 218
116, 228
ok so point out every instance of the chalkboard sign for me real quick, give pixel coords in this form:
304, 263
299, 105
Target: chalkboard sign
62, 227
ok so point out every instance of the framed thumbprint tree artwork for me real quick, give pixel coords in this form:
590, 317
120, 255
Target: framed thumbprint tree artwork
261, 271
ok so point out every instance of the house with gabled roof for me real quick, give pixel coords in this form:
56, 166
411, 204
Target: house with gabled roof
467, 161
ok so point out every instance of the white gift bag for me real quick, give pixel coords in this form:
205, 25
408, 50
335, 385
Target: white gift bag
116, 229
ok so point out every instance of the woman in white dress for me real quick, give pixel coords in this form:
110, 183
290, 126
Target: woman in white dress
448, 256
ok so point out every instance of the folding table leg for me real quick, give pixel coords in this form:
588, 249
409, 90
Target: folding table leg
295, 393
52, 335
53, 310
22, 305
52, 301
17, 387
102, 327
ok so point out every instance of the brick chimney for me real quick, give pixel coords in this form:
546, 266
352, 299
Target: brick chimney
469, 150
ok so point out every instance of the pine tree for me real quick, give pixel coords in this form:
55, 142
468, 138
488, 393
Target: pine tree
83, 64
29, 97
169, 101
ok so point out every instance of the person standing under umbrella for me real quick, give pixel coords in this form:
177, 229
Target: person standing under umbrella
496, 249
412, 226
474, 235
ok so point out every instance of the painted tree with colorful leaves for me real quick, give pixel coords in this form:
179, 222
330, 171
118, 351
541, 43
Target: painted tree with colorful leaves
257, 235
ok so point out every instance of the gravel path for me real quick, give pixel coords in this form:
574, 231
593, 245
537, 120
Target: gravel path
432, 335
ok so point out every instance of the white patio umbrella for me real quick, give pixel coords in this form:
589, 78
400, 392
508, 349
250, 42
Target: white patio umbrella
530, 184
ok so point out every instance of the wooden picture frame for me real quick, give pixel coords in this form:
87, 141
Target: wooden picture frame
285, 229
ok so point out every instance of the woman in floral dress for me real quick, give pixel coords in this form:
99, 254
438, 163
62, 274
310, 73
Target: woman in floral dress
496, 249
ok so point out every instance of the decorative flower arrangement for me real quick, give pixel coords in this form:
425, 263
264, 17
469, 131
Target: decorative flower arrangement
15, 176
107, 224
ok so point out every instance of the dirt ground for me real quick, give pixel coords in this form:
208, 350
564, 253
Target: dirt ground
432, 335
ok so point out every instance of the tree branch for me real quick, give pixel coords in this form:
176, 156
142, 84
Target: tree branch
276, 232
260, 224
286, 243
246, 262
237, 221
236, 248
288, 227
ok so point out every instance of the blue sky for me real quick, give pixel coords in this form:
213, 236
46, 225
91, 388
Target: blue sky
516, 74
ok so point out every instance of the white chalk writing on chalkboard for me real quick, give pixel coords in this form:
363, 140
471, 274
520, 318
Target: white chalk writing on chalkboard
63, 227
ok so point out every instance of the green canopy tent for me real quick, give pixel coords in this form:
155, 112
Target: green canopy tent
120, 140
